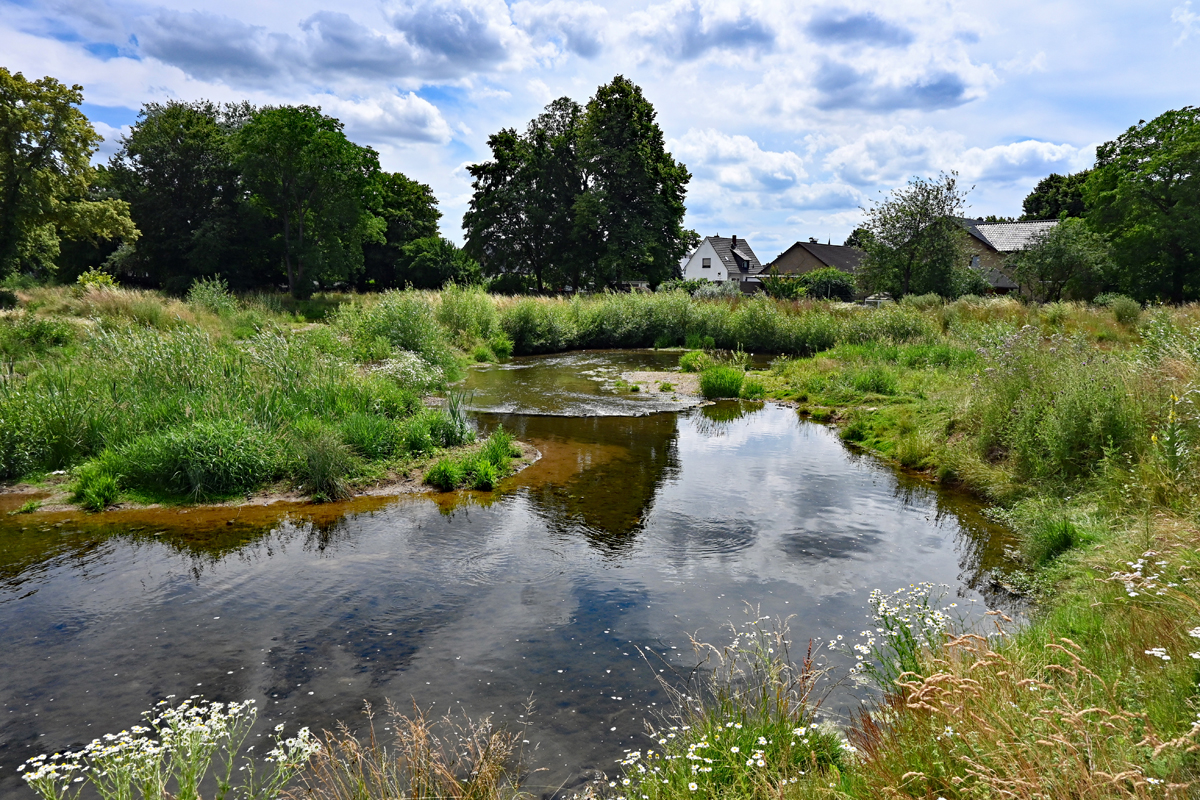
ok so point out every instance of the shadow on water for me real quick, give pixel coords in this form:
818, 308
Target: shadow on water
631, 531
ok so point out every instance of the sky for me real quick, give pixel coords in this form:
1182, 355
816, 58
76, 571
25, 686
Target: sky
790, 116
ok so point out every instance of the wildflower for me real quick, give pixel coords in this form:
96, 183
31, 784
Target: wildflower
735, 749
692, 786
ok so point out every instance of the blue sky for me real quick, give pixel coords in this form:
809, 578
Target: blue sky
790, 116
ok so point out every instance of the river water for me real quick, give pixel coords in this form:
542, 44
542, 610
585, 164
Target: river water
634, 530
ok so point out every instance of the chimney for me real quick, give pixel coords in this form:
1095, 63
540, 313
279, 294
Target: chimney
812, 240
734, 245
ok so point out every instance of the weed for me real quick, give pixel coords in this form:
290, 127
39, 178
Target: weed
95, 488
695, 361
28, 507
372, 436
212, 295
666, 386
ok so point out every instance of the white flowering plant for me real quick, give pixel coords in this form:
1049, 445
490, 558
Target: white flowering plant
908, 622
743, 727
170, 756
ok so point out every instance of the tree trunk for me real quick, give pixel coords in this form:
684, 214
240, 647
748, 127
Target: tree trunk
287, 254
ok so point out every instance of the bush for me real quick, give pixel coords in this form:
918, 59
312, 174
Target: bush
694, 341
695, 361
712, 291
212, 295
404, 320
447, 474
681, 285
96, 278
1126, 310
8, 299
721, 381
501, 345
922, 302
480, 470
829, 283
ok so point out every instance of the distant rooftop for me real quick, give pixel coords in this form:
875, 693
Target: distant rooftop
1008, 237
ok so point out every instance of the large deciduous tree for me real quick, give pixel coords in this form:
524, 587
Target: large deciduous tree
1145, 194
1068, 260
1056, 197
176, 168
46, 145
313, 182
409, 211
585, 197
634, 205
915, 243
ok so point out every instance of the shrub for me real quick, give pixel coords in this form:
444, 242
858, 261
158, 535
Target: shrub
447, 474
468, 312
922, 302
95, 488
721, 381
695, 341
695, 361
1126, 310
406, 320
681, 285
95, 278
501, 345
829, 283
713, 291
482, 354
212, 295
540, 326
8, 299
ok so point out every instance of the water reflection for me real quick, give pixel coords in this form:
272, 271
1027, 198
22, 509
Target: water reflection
629, 531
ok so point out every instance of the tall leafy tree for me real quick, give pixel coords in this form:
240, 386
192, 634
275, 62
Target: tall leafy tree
634, 205
313, 183
432, 262
1145, 194
46, 145
1056, 197
1068, 260
915, 243
409, 211
177, 170
522, 214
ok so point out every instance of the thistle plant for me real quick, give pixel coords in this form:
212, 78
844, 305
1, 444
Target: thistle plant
172, 755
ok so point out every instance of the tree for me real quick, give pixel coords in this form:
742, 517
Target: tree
46, 145
1145, 194
858, 238
313, 182
409, 211
915, 244
829, 283
1056, 197
176, 168
633, 208
432, 262
1067, 260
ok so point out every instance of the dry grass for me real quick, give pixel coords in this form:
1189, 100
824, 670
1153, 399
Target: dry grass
425, 760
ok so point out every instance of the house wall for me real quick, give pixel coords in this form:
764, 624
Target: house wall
797, 261
694, 269
988, 258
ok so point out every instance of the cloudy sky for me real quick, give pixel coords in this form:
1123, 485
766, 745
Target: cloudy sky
789, 115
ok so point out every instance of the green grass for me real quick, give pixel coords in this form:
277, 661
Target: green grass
721, 381
481, 469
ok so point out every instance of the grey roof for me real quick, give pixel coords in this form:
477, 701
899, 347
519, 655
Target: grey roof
1007, 237
998, 279
725, 251
847, 259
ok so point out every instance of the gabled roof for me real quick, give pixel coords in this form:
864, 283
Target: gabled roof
847, 259
1007, 237
725, 252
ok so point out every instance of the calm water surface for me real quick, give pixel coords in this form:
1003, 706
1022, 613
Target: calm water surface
630, 531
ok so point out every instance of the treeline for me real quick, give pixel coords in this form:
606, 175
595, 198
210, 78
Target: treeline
1129, 225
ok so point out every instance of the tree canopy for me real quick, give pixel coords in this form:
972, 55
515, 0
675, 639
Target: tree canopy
46, 145
587, 196
1144, 194
914, 242
1067, 260
1056, 197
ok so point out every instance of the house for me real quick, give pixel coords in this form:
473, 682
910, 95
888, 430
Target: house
718, 260
806, 256
990, 242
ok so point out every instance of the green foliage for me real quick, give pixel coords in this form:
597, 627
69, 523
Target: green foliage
584, 198
201, 460
829, 283
874, 380
45, 174
433, 262
721, 381
694, 341
714, 290
1056, 197
783, 287
404, 320
1126, 310
481, 470
695, 361
307, 177
916, 244
323, 462
26, 334
753, 389
681, 285
923, 302
96, 279
8, 299
409, 212
212, 295
1067, 260
1144, 194
95, 487
372, 436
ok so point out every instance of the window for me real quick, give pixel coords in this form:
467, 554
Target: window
975, 262
706, 263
